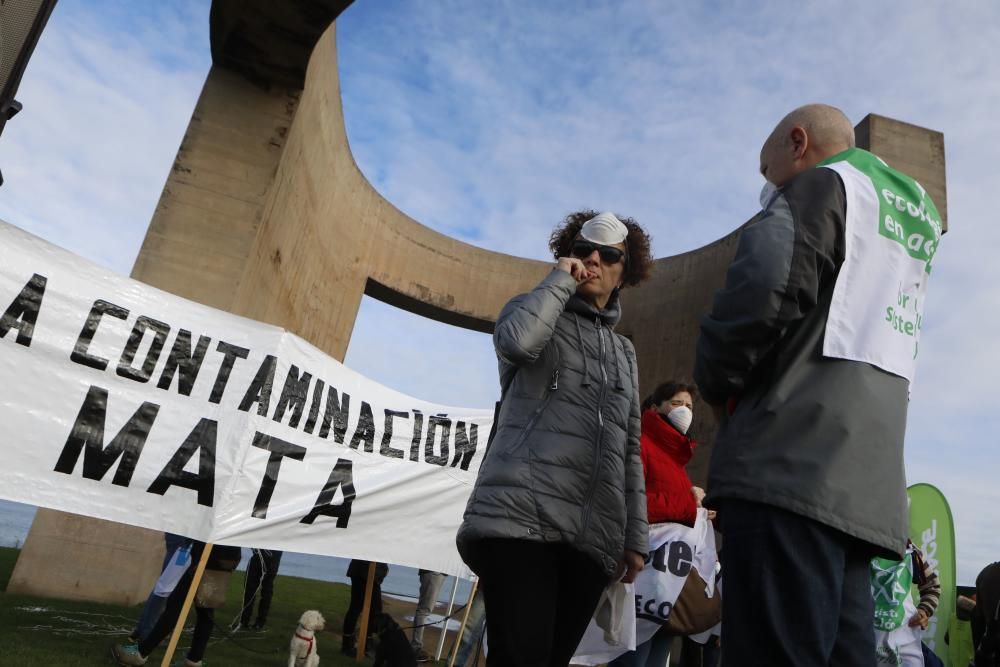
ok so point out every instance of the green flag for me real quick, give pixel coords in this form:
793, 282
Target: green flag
933, 532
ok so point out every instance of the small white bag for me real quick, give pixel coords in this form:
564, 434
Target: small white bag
172, 573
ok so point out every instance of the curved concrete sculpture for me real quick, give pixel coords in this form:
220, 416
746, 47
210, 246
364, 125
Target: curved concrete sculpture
266, 214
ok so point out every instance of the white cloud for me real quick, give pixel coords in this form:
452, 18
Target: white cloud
107, 96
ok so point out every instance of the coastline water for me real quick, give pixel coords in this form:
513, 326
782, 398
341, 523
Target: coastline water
401, 582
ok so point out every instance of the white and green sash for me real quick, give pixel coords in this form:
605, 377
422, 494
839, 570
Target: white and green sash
892, 233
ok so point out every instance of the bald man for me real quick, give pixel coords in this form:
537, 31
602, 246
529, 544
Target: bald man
807, 355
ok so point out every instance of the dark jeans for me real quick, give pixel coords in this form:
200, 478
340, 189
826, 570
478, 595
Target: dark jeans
796, 592
165, 625
261, 571
539, 600
154, 604
358, 585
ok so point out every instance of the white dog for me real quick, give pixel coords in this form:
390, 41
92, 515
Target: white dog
302, 651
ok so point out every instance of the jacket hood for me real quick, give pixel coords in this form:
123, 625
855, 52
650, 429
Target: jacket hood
610, 314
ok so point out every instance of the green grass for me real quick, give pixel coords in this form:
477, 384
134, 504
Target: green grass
45, 631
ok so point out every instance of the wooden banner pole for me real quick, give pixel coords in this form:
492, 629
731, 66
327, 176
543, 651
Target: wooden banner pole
362, 632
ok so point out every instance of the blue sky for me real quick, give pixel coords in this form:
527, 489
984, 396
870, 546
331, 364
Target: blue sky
490, 121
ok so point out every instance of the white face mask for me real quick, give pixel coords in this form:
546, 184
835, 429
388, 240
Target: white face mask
767, 194
681, 418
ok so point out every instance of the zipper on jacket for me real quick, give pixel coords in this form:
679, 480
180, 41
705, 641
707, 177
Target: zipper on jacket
598, 445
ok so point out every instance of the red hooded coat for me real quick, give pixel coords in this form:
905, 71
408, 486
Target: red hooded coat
665, 451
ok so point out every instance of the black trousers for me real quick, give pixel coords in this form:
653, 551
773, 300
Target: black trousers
261, 571
539, 599
358, 585
796, 592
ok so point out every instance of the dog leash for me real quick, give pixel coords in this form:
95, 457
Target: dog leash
430, 623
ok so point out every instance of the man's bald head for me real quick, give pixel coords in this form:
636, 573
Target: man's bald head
802, 139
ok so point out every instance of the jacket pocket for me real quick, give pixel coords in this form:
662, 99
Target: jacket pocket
539, 410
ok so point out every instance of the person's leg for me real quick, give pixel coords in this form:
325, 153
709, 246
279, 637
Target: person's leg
151, 611
272, 559
168, 619
250, 587
690, 653
202, 633
155, 604
518, 580
474, 627
353, 612
430, 587
580, 582
374, 611
710, 652
636, 658
783, 587
659, 649
855, 642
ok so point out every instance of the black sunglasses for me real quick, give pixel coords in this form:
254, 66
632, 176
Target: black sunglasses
609, 254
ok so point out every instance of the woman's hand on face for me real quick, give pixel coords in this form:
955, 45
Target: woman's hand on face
575, 268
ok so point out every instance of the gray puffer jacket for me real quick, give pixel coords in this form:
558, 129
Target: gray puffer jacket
564, 464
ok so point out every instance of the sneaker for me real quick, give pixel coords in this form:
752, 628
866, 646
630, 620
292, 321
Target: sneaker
192, 663
127, 654
424, 656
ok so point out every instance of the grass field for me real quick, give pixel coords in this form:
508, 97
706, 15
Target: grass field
44, 631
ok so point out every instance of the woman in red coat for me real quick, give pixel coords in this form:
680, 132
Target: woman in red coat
670, 496
666, 449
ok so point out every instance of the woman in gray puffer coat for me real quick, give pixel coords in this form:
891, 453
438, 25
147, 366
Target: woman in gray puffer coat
559, 509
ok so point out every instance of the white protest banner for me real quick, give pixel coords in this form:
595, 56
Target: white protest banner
674, 549
122, 402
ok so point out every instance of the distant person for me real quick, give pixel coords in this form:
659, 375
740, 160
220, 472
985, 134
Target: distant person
221, 558
357, 570
261, 571
807, 356
670, 496
986, 617
430, 588
558, 508
899, 624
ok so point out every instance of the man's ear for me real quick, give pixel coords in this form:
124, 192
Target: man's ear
800, 142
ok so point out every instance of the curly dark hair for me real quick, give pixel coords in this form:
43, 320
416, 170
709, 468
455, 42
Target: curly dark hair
666, 391
638, 258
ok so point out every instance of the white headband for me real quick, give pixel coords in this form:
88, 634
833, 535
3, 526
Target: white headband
605, 229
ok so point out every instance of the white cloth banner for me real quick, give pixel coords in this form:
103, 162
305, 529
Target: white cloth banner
673, 550
122, 402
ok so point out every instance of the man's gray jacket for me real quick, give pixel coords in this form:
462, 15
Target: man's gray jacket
817, 436
564, 465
